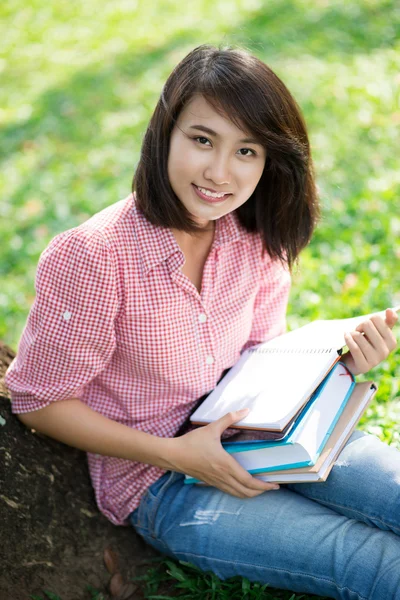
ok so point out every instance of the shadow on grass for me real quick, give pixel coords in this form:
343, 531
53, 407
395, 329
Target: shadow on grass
280, 29
72, 112
327, 29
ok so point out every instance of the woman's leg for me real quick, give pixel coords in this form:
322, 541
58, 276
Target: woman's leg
364, 483
281, 538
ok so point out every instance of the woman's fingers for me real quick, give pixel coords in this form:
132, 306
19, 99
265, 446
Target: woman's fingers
229, 419
357, 354
226, 471
207, 461
392, 317
246, 481
372, 341
375, 339
231, 487
243, 491
385, 330
244, 488
379, 334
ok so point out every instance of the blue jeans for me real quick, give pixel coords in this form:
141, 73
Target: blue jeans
338, 539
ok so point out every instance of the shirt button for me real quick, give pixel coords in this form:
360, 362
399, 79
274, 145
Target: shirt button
67, 315
210, 360
202, 318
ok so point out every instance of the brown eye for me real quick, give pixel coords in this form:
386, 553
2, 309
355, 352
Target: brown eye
248, 150
201, 140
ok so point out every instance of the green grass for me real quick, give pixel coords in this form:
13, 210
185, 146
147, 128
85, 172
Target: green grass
165, 579
92, 594
78, 87
187, 582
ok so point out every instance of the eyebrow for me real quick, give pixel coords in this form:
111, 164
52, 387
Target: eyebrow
215, 134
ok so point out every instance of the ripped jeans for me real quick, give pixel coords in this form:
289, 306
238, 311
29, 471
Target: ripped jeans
338, 539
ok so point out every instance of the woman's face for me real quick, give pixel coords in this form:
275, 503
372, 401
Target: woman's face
210, 156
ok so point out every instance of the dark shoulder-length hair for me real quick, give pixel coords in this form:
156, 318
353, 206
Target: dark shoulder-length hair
284, 207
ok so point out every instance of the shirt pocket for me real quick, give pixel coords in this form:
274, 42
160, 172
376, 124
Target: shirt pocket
158, 338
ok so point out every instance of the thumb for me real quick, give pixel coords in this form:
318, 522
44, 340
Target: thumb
230, 418
391, 317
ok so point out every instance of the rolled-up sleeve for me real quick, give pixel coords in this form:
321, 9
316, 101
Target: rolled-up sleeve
269, 313
69, 335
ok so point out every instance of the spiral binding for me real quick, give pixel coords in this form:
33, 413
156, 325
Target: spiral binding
290, 350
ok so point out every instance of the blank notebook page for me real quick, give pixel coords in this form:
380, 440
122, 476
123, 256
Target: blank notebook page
271, 384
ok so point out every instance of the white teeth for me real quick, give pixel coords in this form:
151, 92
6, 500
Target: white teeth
211, 194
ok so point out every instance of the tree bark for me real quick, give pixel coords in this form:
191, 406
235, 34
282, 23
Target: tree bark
53, 537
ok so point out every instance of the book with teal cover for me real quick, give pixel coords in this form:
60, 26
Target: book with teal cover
306, 441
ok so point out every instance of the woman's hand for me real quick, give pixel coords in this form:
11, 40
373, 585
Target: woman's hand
370, 343
200, 454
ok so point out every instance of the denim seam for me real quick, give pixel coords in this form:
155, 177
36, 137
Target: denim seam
176, 552
146, 499
149, 539
391, 527
157, 501
142, 508
142, 528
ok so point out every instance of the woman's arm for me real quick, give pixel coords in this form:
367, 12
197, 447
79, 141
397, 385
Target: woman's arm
76, 424
198, 453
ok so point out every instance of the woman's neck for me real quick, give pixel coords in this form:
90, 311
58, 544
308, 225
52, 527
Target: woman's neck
190, 240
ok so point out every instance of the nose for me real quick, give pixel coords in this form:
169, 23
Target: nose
218, 170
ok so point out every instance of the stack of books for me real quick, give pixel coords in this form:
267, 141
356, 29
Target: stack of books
304, 403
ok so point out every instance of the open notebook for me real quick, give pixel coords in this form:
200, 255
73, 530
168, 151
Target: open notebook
276, 378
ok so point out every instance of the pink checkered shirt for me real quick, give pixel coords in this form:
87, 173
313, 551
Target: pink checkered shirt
116, 324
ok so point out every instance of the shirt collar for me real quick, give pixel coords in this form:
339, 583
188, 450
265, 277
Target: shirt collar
229, 230
156, 244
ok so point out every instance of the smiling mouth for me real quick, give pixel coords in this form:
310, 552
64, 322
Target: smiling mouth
210, 196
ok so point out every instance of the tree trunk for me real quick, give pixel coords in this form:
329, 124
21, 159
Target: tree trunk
53, 537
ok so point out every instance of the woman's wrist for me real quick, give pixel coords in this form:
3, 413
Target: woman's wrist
167, 453
157, 451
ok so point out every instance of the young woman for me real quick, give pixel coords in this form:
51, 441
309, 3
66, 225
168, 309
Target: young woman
140, 310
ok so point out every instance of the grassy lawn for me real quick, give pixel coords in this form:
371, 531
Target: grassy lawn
79, 84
